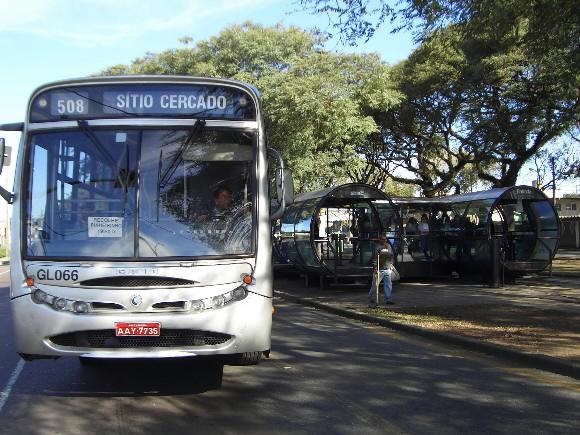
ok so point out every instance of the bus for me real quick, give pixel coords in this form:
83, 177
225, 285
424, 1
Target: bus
141, 220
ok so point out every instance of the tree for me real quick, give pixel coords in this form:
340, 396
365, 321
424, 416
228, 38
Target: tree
246, 52
315, 114
549, 23
468, 180
421, 141
515, 84
550, 167
515, 105
315, 102
467, 106
352, 19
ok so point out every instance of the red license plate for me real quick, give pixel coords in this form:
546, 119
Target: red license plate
137, 329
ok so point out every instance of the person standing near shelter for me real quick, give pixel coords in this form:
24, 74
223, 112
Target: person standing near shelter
425, 238
382, 269
411, 231
355, 235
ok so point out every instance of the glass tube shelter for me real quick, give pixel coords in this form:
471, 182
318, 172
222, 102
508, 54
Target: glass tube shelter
332, 231
457, 229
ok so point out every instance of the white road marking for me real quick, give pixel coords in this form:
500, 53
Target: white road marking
6, 271
8, 388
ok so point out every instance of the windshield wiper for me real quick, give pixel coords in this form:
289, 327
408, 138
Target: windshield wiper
195, 131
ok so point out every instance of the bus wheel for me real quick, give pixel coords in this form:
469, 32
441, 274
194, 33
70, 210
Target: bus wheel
218, 374
246, 359
90, 362
208, 373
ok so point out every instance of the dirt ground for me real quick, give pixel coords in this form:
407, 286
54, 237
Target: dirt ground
566, 266
547, 332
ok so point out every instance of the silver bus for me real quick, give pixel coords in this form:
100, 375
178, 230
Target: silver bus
141, 220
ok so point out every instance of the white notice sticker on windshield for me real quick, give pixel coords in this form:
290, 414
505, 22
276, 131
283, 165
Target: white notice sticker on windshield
105, 226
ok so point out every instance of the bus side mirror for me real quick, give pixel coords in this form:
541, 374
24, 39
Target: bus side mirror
285, 185
2, 155
5, 154
8, 196
4, 150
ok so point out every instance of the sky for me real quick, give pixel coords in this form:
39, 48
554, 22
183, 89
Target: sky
47, 40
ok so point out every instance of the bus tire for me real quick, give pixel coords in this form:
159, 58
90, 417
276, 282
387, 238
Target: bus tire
90, 362
246, 359
217, 379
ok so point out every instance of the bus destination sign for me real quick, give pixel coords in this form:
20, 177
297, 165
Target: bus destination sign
123, 101
169, 102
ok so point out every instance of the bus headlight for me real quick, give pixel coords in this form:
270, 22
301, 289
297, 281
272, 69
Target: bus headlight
239, 293
59, 304
80, 307
215, 302
39, 296
218, 301
197, 306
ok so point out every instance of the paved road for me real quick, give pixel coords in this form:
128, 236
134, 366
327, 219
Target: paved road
8, 358
326, 375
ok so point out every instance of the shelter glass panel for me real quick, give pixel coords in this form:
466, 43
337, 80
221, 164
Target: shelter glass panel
391, 223
547, 222
415, 246
302, 233
477, 220
334, 245
520, 232
287, 243
448, 224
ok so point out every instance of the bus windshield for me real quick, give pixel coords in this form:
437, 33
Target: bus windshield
151, 193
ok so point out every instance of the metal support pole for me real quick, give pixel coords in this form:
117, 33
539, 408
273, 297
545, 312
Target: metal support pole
377, 277
553, 165
495, 280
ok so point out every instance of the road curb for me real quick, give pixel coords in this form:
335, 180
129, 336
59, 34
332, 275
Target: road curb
542, 362
560, 275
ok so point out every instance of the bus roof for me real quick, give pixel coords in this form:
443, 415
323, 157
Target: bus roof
143, 78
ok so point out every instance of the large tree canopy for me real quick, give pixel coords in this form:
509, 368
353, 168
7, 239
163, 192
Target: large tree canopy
470, 103
423, 141
315, 114
490, 85
549, 23
246, 52
315, 102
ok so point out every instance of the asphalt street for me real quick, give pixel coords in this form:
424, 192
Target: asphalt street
326, 375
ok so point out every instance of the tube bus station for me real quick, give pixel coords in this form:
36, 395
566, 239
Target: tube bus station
498, 233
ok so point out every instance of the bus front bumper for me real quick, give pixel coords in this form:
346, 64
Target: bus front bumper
42, 332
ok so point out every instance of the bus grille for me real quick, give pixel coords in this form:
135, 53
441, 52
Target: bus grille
106, 339
135, 281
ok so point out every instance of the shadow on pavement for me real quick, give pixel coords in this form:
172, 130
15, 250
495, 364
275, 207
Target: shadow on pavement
144, 377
